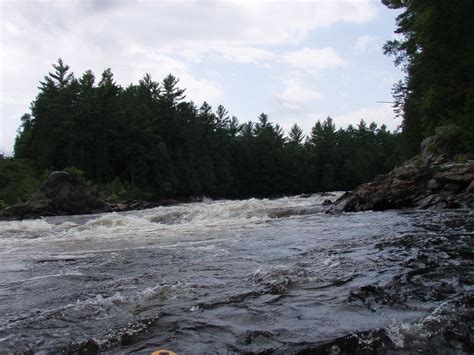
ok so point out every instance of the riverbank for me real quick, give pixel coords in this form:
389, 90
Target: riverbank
413, 185
61, 195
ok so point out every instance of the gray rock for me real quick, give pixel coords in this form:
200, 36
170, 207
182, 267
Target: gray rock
327, 202
434, 185
470, 188
446, 185
426, 202
426, 149
451, 187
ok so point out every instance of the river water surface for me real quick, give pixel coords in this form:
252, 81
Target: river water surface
254, 276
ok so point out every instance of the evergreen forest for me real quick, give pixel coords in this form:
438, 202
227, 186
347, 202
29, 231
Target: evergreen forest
146, 141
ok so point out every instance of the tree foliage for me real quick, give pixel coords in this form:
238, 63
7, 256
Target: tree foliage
436, 51
147, 141
17, 181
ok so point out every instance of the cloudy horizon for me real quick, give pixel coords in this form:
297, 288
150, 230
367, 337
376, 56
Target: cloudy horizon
296, 61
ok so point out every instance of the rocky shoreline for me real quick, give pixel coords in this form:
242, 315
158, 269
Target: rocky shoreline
432, 183
62, 195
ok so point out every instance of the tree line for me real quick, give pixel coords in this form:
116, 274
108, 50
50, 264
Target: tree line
435, 49
146, 141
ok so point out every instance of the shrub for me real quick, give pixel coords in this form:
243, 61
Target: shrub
17, 180
78, 176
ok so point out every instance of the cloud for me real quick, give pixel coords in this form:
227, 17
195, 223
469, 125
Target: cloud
189, 26
290, 22
314, 58
246, 55
295, 95
363, 43
171, 36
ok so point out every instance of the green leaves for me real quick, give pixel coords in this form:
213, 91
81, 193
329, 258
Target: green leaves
437, 53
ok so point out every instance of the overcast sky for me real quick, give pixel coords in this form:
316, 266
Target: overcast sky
296, 61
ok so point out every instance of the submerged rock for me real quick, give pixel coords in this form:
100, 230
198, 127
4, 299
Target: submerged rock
434, 184
327, 202
60, 194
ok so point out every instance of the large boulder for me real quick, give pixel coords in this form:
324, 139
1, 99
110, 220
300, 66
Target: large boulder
428, 185
433, 179
60, 194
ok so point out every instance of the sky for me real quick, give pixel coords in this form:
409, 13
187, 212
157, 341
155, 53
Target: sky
297, 61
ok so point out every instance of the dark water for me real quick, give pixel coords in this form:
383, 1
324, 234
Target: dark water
252, 276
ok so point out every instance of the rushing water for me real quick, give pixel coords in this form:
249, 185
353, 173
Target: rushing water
252, 276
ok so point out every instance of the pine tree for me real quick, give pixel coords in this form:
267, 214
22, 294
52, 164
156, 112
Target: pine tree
296, 135
436, 52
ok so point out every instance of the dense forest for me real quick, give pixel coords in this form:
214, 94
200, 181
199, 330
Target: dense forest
435, 49
147, 141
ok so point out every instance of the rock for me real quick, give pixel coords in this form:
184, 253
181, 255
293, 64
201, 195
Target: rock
433, 184
452, 187
470, 188
121, 206
426, 149
437, 150
445, 185
60, 194
455, 175
439, 205
426, 202
327, 202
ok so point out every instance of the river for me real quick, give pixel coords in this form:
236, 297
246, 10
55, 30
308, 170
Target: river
252, 276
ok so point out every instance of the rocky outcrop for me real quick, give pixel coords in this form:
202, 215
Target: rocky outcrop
142, 205
412, 185
60, 194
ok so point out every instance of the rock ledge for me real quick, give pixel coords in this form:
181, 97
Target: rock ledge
434, 184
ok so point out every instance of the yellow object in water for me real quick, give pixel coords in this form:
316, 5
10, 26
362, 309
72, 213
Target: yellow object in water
163, 352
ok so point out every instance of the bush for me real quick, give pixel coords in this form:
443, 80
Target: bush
114, 191
17, 181
78, 176
453, 140
448, 139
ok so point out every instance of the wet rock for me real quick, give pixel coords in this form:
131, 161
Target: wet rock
427, 201
142, 205
89, 347
325, 194
60, 194
433, 179
327, 203
429, 185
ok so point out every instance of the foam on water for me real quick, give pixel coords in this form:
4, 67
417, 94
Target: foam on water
37, 225
139, 228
